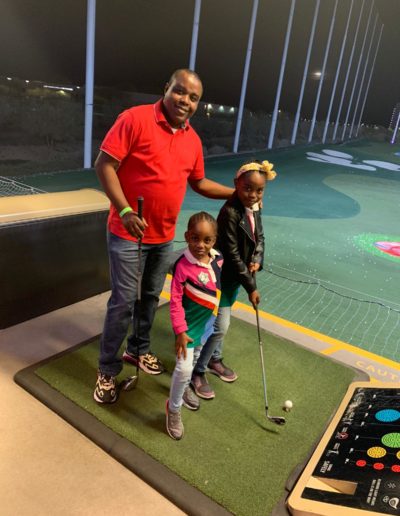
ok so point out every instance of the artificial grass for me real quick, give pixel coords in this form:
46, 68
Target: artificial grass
230, 451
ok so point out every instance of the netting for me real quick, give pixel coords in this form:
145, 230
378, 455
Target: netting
10, 187
355, 317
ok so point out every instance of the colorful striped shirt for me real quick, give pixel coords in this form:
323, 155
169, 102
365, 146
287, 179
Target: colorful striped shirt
195, 294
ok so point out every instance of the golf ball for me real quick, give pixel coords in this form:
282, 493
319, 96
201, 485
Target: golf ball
288, 405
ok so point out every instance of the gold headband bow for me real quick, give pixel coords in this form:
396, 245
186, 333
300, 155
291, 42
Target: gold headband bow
265, 167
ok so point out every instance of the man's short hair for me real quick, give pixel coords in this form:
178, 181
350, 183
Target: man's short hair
184, 70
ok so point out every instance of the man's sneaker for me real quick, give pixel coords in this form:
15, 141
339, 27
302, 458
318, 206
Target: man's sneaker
106, 389
201, 386
148, 363
218, 368
174, 423
190, 400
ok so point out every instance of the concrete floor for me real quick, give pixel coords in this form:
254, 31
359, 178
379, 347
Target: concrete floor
46, 466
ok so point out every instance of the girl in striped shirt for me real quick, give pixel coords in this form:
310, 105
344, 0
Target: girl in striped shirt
195, 293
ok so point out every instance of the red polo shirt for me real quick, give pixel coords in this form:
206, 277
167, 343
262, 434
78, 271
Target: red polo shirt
155, 163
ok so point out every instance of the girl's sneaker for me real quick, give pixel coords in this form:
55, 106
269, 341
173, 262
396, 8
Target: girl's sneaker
174, 423
201, 386
190, 400
218, 368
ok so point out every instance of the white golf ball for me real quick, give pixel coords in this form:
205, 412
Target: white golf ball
288, 405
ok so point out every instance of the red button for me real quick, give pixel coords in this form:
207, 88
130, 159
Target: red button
396, 468
378, 465
361, 463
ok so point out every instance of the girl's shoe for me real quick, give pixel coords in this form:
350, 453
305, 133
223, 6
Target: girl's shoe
218, 368
201, 387
174, 423
190, 400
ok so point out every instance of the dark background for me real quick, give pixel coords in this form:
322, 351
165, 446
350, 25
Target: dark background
140, 42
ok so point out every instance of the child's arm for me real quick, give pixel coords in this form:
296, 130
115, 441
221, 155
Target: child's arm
177, 312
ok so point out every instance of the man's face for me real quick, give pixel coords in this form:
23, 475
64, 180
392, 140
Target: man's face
181, 98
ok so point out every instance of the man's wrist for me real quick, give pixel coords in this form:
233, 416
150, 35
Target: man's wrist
128, 209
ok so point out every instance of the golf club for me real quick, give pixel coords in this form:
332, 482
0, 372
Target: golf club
274, 419
131, 381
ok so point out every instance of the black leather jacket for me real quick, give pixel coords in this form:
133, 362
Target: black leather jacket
236, 243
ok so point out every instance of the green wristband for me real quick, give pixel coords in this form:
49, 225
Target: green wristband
125, 210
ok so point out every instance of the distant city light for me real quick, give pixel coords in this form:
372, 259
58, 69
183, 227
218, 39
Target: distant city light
232, 110
27, 81
9, 79
62, 88
221, 108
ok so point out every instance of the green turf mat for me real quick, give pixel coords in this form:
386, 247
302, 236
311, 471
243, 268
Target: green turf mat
230, 451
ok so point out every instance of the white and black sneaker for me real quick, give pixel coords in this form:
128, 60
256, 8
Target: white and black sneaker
106, 389
148, 362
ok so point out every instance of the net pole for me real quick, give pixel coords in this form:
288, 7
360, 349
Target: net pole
369, 81
363, 76
348, 70
328, 116
321, 80
89, 83
245, 75
195, 34
305, 73
281, 73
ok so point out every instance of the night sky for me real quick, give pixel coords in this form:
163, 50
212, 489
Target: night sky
140, 42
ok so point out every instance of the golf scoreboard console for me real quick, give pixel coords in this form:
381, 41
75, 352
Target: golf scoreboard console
355, 469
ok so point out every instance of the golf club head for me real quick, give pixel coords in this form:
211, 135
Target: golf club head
129, 383
277, 419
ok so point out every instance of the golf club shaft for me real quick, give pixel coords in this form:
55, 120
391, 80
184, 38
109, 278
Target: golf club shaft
262, 358
138, 307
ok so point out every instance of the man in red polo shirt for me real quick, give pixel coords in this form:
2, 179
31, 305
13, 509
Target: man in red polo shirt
150, 151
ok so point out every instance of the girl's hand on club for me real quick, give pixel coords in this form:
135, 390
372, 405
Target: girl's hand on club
254, 298
253, 267
133, 224
181, 342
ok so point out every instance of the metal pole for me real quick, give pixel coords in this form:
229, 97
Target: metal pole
348, 71
195, 34
395, 130
363, 76
245, 75
310, 44
337, 74
89, 83
282, 71
357, 72
369, 81
321, 80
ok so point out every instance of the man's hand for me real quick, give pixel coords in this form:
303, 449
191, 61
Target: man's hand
133, 224
253, 267
254, 298
181, 342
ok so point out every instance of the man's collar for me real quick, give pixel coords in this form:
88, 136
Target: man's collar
160, 117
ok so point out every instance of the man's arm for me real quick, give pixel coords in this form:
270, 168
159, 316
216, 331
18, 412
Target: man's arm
211, 189
106, 169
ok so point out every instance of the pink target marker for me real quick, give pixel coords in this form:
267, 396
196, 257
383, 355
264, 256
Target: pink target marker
392, 248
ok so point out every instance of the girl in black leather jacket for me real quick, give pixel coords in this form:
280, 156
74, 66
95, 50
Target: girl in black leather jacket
241, 241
